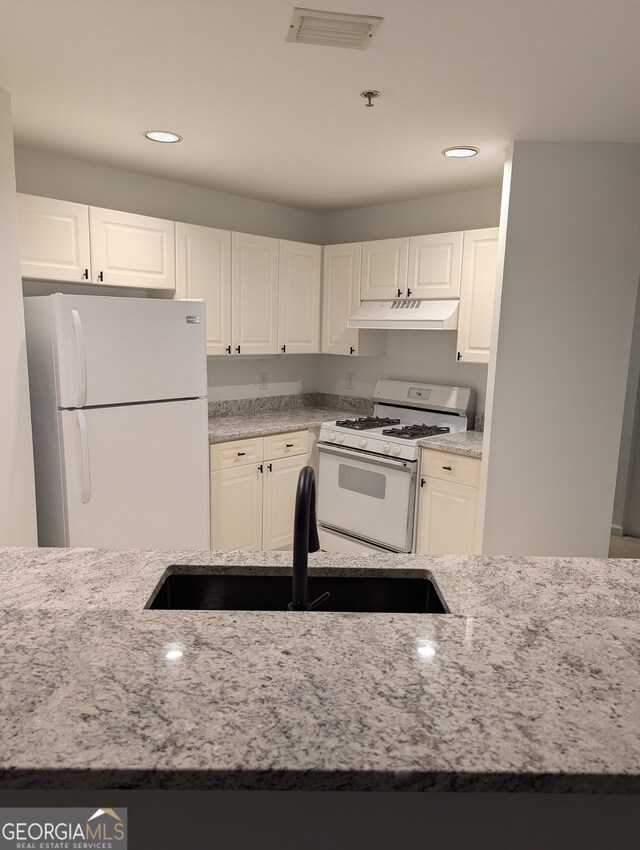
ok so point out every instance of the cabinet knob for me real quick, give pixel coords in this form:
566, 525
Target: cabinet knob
228, 349
100, 276
422, 482
283, 349
408, 293
289, 446
270, 467
459, 356
399, 293
352, 350
447, 467
85, 276
237, 349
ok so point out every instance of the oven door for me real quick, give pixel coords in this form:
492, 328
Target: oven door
367, 496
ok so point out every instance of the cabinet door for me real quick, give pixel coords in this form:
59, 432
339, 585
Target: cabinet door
54, 239
132, 250
299, 298
280, 484
447, 516
203, 270
340, 297
254, 294
384, 269
477, 292
435, 262
236, 508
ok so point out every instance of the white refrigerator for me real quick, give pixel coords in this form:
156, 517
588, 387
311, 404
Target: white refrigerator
119, 412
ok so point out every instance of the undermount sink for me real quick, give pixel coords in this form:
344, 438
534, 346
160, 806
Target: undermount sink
184, 591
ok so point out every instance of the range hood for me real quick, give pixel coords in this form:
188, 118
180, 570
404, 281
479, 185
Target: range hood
407, 314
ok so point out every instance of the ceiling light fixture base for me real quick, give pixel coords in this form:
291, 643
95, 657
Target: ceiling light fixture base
370, 94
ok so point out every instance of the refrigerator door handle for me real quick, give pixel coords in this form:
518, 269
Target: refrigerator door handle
85, 492
81, 358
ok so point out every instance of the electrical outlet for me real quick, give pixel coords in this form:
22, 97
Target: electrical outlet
351, 380
263, 380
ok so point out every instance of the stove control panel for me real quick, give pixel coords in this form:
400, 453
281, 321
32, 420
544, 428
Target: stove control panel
371, 444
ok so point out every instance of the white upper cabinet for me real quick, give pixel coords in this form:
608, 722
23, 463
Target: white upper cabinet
203, 270
132, 250
384, 269
254, 294
299, 298
54, 239
479, 269
340, 299
435, 262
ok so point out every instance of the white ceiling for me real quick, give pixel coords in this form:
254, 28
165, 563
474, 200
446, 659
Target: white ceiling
284, 122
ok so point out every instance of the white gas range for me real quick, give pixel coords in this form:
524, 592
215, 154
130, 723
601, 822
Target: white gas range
368, 465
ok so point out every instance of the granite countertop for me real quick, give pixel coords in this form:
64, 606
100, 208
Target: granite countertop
529, 684
261, 423
468, 443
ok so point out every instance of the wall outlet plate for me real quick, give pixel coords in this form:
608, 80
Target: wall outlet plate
263, 380
351, 380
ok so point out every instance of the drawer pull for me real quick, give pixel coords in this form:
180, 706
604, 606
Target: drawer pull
289, 446
447, 467
241, 454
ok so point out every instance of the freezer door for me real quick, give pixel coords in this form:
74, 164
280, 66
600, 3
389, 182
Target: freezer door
137, 476
127, 350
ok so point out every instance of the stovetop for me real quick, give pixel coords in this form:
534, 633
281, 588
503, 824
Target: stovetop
416, 432
366, 423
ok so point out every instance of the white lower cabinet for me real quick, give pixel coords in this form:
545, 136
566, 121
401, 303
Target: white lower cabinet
447, 504
253, 489
236, 507
279, 498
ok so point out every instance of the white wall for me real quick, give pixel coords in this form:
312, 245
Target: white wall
556, 385
237, 377
114, 188
426, 356
436, 214
17, 494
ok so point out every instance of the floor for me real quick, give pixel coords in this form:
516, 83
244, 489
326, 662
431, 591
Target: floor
624, 547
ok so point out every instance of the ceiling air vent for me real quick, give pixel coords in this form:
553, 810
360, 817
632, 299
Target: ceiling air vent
332, 29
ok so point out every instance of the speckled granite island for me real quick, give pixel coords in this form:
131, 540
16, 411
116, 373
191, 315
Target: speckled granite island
530, 683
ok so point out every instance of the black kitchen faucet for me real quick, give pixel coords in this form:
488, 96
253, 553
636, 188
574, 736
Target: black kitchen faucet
305, 540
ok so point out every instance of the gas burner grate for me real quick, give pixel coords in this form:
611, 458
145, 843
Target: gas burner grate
365, 423
416, 432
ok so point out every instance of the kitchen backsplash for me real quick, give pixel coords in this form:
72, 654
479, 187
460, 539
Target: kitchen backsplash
235, 407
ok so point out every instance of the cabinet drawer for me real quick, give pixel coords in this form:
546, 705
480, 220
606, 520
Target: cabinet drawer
283, 445
451, 467
236, 453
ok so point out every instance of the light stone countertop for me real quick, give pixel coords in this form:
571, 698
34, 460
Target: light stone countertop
262, 423
468, 443
530, 684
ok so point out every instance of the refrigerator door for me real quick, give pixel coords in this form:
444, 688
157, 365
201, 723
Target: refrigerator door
137, 476
127, 350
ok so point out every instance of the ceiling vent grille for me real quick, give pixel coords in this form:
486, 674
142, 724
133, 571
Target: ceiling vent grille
332, 29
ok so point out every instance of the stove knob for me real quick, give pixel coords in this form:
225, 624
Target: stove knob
396, 450
386, 448
363, 444
341, 438
332, 437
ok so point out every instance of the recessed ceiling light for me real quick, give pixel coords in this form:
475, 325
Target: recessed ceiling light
460, 153
162, 136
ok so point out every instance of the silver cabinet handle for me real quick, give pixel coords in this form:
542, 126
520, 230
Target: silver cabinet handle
85, 491
80, 357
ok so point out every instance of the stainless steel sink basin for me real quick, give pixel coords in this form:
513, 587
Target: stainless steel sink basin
184, 591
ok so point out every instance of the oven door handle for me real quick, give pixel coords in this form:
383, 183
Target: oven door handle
366, 457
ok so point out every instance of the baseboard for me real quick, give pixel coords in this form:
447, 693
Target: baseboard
617, 530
